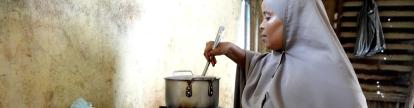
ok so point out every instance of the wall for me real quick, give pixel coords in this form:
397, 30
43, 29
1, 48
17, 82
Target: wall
113, 53
170, 35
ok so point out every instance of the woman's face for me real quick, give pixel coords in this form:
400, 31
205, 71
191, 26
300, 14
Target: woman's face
271, 27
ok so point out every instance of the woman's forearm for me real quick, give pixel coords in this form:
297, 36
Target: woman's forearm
237, 54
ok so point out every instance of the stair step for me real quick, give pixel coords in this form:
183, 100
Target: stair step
399, 57
375, 77
384, 24
380, 3
385, 82
383, 13
384, 72
388, 97
386, 35
397, 68
382, 18
385, 89
391, 80
386, 51
388, 46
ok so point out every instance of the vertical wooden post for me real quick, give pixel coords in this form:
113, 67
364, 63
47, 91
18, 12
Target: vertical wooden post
410, 99
397, 104
253, 26
339, 5
255, 19
330, 7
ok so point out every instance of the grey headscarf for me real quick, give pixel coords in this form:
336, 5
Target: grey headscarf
312, 71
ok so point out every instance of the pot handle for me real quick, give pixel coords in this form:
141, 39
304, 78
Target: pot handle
182, 71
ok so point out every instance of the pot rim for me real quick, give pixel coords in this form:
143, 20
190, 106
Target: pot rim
192, 77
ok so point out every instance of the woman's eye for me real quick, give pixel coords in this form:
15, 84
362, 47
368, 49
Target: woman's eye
267, 18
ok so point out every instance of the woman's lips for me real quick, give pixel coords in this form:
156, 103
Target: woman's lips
263, 37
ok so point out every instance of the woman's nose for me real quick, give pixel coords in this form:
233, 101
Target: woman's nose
261, 26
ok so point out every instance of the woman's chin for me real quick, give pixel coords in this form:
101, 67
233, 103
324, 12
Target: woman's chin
268, 46
272, 48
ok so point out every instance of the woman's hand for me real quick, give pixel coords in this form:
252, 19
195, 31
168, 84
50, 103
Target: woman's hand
221, 49
232, 51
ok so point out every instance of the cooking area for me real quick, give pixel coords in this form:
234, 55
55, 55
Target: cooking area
113, 54
206, 53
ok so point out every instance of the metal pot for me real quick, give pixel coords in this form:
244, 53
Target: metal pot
189, 91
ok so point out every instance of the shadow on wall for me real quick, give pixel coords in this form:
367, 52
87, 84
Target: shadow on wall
54, 51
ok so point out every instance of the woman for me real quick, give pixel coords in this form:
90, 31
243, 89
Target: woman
307, 67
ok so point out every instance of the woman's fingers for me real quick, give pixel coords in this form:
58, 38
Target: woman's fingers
213, 61
210, 54
206, 56
207, 50
209, 46
221, 49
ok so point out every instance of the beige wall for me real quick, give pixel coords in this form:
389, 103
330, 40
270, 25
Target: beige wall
170, 35
114, 53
